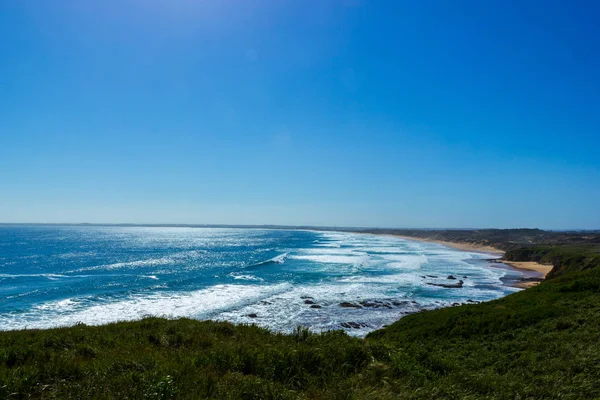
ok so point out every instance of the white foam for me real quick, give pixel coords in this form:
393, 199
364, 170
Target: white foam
331, 251
279, 259
285, 311
333, 259
48, 276
395, 280
347, 267
387, 249
414, 261
201, 304
333, 245
245, 277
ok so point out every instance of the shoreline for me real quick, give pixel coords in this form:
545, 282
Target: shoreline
531, 266
455, 245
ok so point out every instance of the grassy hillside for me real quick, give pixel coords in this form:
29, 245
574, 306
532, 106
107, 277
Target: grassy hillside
538, 343
565, 258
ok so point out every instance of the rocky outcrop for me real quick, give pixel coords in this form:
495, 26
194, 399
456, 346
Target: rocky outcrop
353, 325
375, 304
350, 305
448, 286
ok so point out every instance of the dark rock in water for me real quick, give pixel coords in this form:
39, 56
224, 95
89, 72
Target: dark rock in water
349, 305
309, 302
265, 303
401, 303
450, 277
423, 276
455, 304
449, 286
431, 276
315, 306
414, 302
530, 279
375, 304
252, 315
464, 277
472, 301
353, 325
306, 297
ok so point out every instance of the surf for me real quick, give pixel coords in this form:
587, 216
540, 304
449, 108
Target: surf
278, 259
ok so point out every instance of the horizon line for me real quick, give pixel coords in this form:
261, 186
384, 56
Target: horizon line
274, 226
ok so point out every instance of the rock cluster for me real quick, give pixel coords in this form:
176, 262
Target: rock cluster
354, 325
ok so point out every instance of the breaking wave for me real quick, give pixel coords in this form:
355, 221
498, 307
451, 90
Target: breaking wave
279, 259
112, 274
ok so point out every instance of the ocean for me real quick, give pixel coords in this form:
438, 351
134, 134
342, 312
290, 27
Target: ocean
63, 275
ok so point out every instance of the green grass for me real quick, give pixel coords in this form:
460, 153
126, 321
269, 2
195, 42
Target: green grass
540, 343
158, 358
565, 258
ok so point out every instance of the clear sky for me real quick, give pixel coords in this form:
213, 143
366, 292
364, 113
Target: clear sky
351, 113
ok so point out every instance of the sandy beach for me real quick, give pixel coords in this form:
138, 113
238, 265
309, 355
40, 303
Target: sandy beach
542, 269
529, 266
456, 245
465, 246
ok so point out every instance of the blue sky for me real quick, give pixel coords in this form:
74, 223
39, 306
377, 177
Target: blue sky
349, 113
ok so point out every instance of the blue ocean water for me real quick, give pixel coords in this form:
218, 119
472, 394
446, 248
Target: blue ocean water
61, 275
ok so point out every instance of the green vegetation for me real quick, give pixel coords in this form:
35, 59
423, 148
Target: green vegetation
564, 258
503, 239
539, 343
163, 359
